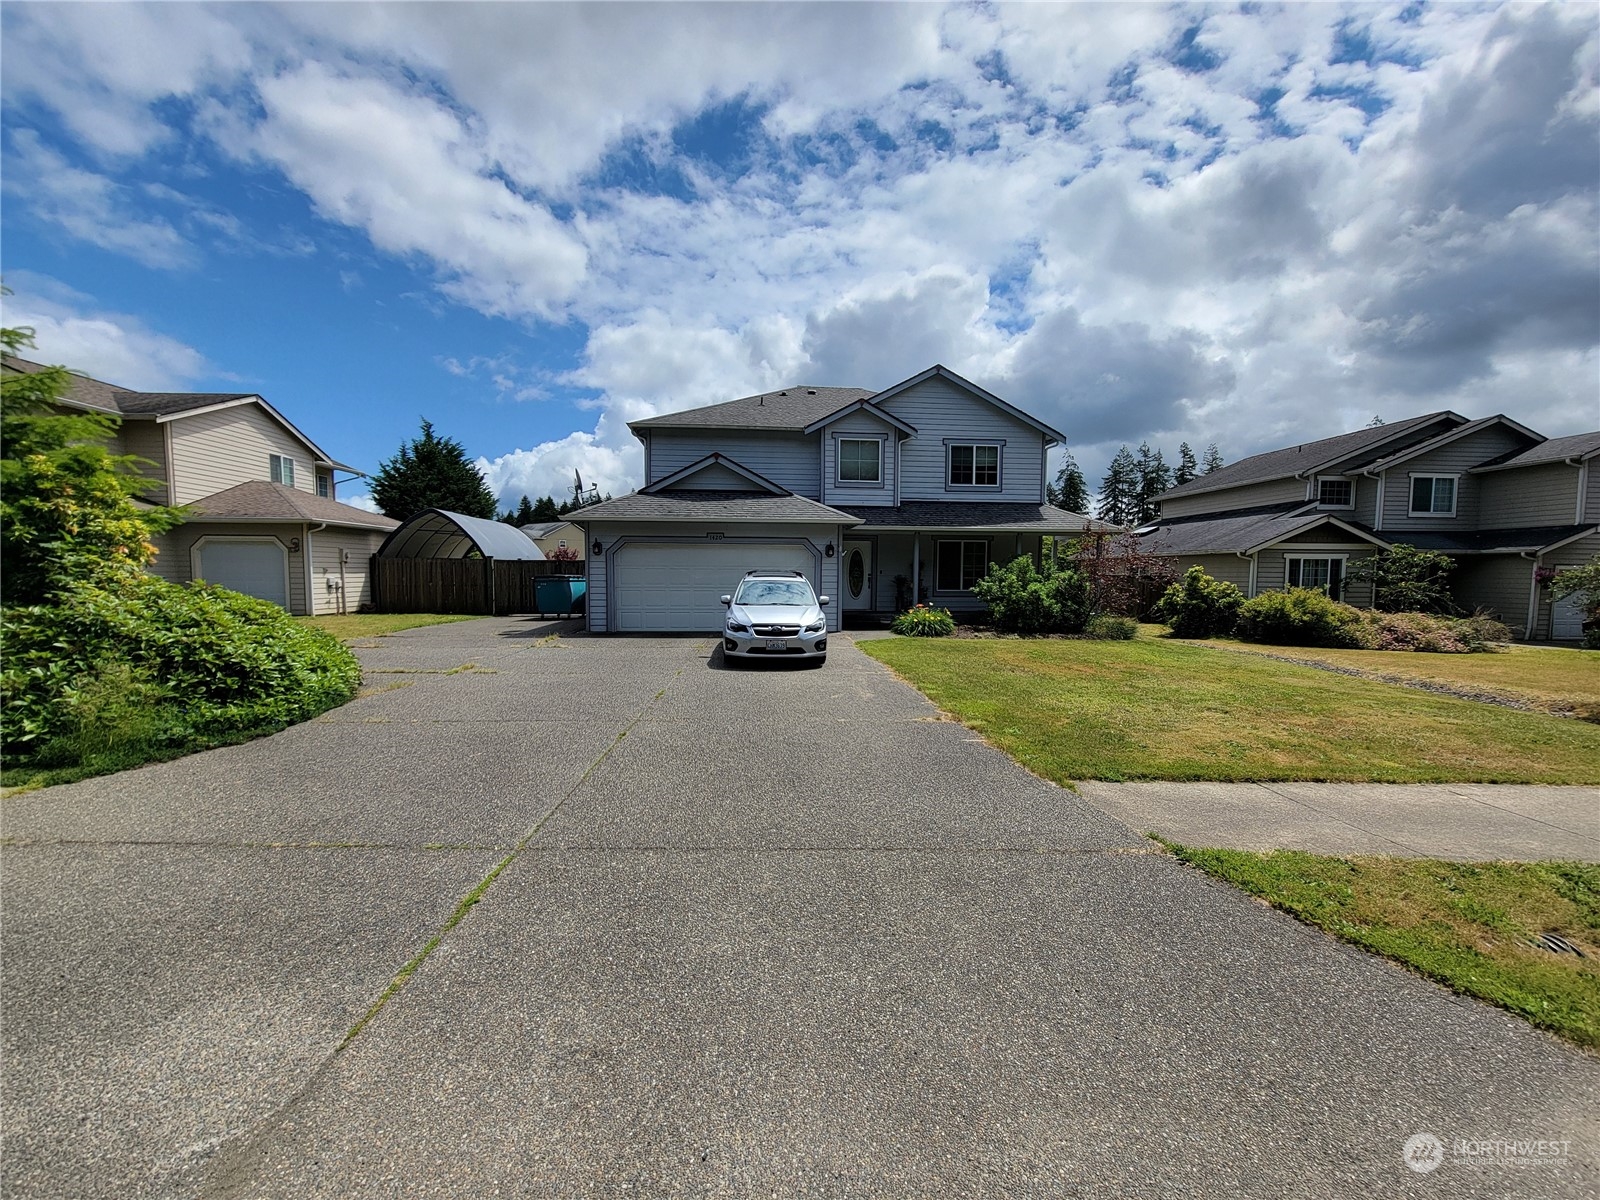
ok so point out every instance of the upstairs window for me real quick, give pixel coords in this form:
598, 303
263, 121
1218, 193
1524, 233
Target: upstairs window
282, 470
1433, 496
324, 487
1335, 493
974, 465
860, 460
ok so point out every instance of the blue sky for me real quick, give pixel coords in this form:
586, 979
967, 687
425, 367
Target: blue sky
531, 223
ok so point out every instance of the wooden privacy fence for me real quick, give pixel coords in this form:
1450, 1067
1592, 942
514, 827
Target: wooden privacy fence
492, 587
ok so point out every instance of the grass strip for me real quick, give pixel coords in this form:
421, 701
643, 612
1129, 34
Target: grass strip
399, 981
1470, 926
349, 626
1159, 709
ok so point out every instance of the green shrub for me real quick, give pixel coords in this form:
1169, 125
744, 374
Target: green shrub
1024, 600
1299, 617
209, 663
1199, 606
1406, 580
1109, 628
923, 621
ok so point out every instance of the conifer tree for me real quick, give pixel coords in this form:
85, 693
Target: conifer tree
1188, 468
1155, 477
1070, 491
1119, 490
431, 472
1212, 460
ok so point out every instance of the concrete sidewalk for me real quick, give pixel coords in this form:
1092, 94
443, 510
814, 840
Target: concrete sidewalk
1464, 821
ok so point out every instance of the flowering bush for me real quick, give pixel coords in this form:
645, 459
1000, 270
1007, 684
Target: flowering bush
923, 621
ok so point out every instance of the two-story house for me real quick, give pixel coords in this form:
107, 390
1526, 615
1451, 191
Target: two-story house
1508, 504
263, 514
880, 498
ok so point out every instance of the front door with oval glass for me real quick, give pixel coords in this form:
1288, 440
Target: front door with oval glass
856, 575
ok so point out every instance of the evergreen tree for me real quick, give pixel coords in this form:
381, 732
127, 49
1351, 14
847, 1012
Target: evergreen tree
563, 508
1119, 490
1155, 477
1375, 422
1070, 491
546, 509
431, 472
1212, 459
1187, 467
525, 513
67, 511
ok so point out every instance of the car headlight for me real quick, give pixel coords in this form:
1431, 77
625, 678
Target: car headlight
735, 627
818, 625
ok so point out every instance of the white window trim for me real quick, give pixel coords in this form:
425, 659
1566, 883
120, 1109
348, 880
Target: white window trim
325, 481
838, 461
1342, 559
988, 558
279, 466
1321, 503
199, 544
996, 444
1411, 492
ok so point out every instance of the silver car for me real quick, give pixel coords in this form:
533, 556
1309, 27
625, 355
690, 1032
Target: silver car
775, 614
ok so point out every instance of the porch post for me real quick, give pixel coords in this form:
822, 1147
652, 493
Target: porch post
916, 568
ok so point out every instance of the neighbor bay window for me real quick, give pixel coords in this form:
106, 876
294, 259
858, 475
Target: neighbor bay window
1326, 574
960, 565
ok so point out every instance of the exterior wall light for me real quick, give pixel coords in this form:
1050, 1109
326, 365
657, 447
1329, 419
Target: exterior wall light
597, 548
828, 549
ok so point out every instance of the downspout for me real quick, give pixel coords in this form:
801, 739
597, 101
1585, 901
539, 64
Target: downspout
1377, 512
1533, 596
172, 466
305, 546
1251, 559
1583, 486
916, 568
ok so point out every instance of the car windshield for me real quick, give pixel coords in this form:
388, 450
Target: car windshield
790, 592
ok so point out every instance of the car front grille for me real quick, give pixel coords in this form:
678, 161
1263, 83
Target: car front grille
778, 630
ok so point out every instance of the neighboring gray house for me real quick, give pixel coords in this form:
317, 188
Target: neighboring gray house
880, 498
264, 517
1509, 504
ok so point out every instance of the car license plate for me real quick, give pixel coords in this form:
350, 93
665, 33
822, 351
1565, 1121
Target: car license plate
777, 643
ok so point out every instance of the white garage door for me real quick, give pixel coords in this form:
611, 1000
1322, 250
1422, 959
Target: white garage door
1566, 618
676, 587
256, 568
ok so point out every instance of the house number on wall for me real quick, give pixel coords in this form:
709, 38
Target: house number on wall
714, 537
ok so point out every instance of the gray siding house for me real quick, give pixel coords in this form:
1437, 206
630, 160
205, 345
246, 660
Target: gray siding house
1508, 504
264, 517
881, 498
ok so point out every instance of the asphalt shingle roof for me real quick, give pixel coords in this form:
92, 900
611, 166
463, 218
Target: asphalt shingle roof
1489, 541
975, 515
1291, 460
263, 501
1234, 533
108, 396
741, 507
1548, 451
791, 408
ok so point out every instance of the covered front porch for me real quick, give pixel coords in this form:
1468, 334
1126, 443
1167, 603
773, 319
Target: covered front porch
933, 552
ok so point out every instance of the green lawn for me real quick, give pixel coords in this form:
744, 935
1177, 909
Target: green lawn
1550, 679
1160, 709
1471, 926
351, 626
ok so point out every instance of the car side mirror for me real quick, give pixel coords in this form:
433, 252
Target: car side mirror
727, 599
822, 601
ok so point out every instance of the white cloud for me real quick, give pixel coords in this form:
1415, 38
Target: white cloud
118, 348
548, 469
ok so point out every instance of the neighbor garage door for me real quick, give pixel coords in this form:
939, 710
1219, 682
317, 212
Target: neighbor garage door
255, 567
676, 587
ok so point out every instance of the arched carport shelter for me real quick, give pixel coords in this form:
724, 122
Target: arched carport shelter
448, 562
435, 533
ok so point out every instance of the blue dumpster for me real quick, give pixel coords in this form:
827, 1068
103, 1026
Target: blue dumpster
559, 594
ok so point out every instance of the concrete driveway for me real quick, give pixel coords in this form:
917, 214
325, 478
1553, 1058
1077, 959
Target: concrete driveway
734, 932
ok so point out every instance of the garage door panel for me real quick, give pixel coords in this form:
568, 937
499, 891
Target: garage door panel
255, 568
676, 587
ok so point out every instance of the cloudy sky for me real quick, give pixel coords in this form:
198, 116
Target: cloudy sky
531, 223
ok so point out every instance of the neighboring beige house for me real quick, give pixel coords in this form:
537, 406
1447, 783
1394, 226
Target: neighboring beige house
264, 515
1508, 504
550, 536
